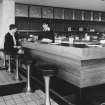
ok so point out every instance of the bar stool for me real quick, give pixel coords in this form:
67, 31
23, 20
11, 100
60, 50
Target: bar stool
9, 61
19, 54
4, 61
102, 103
28, 63
48, 71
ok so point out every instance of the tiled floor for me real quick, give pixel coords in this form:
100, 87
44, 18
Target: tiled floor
6, 79
36, 98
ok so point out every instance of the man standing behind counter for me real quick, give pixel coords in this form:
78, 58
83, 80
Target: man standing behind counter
46, 33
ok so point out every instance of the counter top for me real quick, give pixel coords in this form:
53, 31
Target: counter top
82, 67
74, 52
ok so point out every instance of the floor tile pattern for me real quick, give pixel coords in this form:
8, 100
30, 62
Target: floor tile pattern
36, 98
6, 79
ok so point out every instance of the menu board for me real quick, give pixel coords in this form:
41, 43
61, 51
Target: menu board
47, 12
77, 14
58, 13
95, 16
103, 16
68, 14
21, 10
35, 11
87, 15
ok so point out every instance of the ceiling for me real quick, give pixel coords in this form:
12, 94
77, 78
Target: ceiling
79, 4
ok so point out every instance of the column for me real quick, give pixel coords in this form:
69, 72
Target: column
7, 17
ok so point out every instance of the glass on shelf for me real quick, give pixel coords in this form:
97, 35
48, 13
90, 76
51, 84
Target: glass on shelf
87, 37
71, 40
76, 38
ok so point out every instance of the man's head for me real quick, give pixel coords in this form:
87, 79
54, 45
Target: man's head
13, 28
45, 27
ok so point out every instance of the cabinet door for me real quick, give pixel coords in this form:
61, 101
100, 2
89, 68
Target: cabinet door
22, 23
35, 24
58, 13
21, 10
77, 14
87, 15
103, 16
35, 12
47, 12
59, 27
95, 16
68, 14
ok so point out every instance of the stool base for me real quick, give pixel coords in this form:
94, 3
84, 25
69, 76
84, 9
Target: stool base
16, 79
3, 68
27, 91
8, 72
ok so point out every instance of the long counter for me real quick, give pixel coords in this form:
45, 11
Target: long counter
82, 67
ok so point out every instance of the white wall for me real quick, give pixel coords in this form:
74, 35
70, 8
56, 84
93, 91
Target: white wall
7, 17
0, 14
1, 38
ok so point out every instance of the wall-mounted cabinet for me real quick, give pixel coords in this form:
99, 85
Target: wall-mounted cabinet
47, 12
59, 27
58, 13
35, 24
22, 23
103, 16
68, 14
95, 16
21, 10
78, 15
87, 15
35, 11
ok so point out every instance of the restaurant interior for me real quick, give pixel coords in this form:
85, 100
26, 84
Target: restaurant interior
60, 58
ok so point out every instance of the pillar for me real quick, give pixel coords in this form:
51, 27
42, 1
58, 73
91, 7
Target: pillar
7, 17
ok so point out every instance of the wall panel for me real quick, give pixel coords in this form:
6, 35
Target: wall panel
35, 12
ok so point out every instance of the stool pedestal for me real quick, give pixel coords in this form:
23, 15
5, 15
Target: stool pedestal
4, 60
48, 70
47, 85
19, 54
28, 88
102, 103
9, 66
17, 68
4, 63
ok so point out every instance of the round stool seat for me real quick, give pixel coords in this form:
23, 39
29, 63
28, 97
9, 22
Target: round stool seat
49, 72
20, 55
1, 49
48, 69
20, 51
7, 52
28, 61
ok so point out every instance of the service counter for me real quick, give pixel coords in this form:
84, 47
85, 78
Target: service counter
81, 67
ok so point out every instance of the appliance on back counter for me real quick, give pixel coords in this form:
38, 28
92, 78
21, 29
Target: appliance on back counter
80, 38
